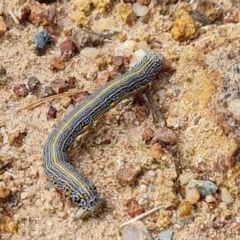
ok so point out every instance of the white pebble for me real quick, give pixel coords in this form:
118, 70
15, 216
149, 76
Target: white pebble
106, 24
226, 195
143, 188
89, 52
24, 195
234, 107
140, 10
210, 198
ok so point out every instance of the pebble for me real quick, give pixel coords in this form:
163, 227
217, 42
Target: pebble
184, 28
5, 193
148, 134
3, 27
59, 85
165, 135
24, 195
41, 39
106, 24
133, 207
184, 208
128, 174
143, 188
192, 195
210, 199
38, 14
226, 195
234, 108
67, 48
47, 91
52, 112
84, 38
185, 177
56, 63
8, 224
204, 187
33, 84
125, 12
91, 53
167, 234
20, 90
156, 151
15, 138
136, 231
140, 10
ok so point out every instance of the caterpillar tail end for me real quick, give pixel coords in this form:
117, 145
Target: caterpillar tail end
93, 211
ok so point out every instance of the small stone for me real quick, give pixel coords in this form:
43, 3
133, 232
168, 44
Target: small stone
67, 48
91, 53
3, 72
210, 199
56, 63
148, 134
52, 112
192, 196
224, 163
226, 195
5, 159
128, 174
118, 61
234, 108
140, 10
164, 219
204, 187
166, 234
133, 208
3, 27
202, 167
135, 231
47, 92
33, 84
8, 224
5, 193
184, 208
125, 12
38, 14
165, 135
24, 195
59, 86
106, 24
41, 39
218, 223
102, 6
20, 90
103, 62
156, 151
84, 38
83, 5
184, 28
185, 177
15, 139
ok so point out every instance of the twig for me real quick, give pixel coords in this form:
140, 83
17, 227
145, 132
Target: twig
13, 16
140, 216
41, 101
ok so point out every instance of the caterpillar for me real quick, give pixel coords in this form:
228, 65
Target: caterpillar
55, 154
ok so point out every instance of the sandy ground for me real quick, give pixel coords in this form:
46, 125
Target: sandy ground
193, 100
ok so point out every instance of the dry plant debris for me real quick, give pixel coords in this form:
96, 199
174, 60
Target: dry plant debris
143, 171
